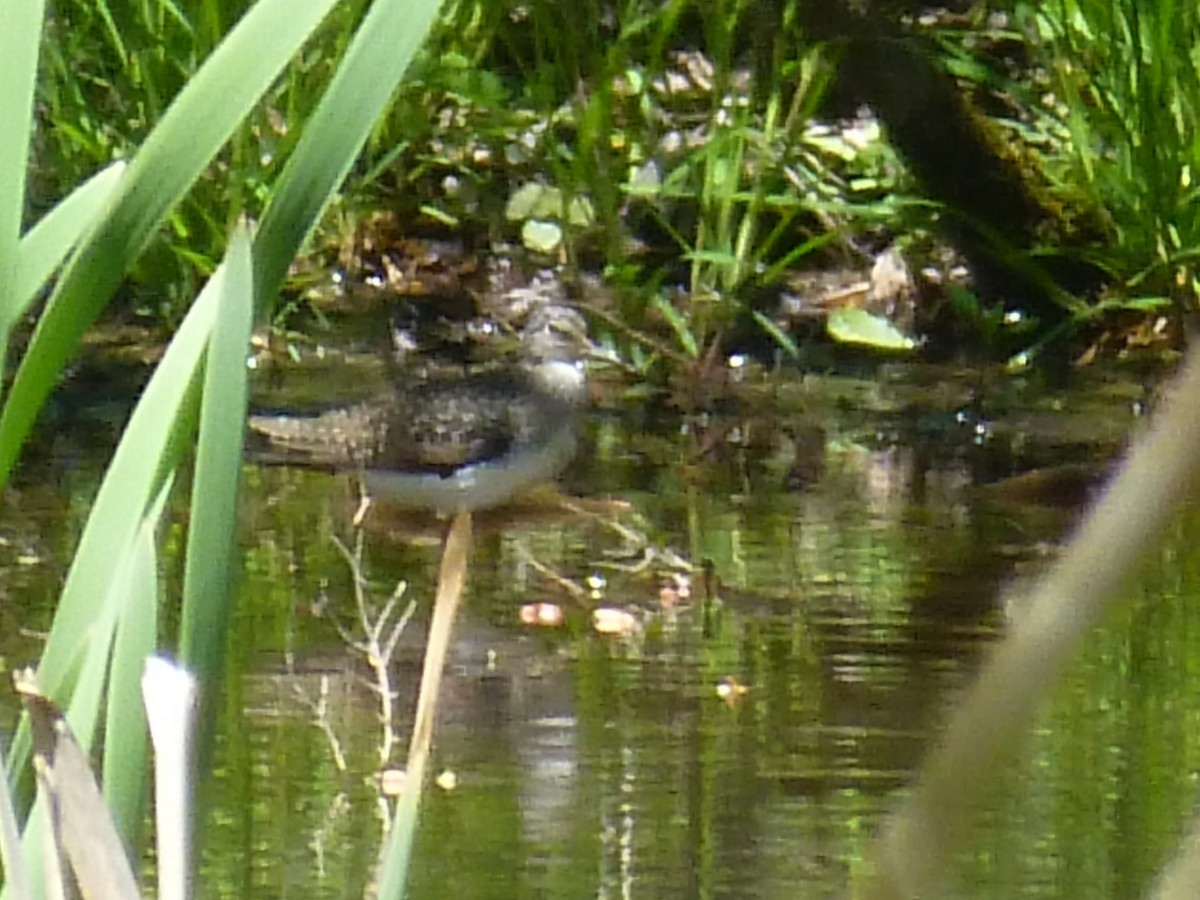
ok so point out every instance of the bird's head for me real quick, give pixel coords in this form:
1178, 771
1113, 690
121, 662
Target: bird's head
555, 342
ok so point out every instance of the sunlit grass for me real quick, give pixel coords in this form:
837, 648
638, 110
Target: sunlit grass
693, 148
1128, 76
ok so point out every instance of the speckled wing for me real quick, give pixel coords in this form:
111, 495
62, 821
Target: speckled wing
449, 445
441, 427
339, 438
435, 426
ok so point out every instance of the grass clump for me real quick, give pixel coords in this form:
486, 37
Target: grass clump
1125, 82
678, 147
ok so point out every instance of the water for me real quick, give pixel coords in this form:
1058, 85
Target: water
746, 738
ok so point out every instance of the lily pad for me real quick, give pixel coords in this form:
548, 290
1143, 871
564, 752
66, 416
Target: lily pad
849, 325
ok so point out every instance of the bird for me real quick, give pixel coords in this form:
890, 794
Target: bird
456, 443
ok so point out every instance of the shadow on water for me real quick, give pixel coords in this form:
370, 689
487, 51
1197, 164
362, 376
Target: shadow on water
806, 580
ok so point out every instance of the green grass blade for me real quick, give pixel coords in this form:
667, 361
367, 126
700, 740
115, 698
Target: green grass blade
20, 39
376, 60
125, 722
16, 877
786, 342
86, 698
195, 127
152, 445
118, 631
212, 544
115, 559
46, 245
679, 324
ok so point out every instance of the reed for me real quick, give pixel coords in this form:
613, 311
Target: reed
105, 625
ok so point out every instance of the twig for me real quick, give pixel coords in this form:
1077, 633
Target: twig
320, 711
377, 649
576, 591
451, 581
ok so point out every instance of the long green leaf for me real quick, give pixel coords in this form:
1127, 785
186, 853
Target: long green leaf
154, 441
44, 247
113, 561
120, 628
212, 544
20, 38
679, 324
16, 876
375, 62
191, 132
136, 638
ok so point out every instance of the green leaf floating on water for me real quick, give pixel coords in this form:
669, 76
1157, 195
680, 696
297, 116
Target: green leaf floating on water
849, 325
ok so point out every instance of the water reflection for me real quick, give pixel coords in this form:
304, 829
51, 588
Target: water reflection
848, 595
846, 578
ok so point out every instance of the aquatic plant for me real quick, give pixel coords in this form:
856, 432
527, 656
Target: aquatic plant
106, 621
680, 130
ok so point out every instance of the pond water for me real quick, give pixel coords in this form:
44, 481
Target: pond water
807, 576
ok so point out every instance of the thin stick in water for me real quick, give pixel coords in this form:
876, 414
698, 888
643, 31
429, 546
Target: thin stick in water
452, 578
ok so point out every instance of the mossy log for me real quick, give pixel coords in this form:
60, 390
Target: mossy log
997, 210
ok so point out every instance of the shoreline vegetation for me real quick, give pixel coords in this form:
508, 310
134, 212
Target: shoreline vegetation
706, 163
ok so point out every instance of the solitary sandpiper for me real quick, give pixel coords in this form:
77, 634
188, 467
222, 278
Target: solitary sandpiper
458, 443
